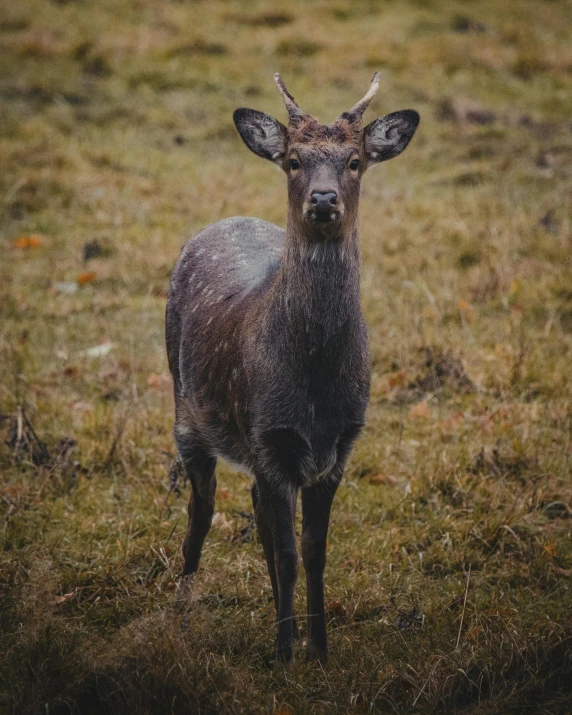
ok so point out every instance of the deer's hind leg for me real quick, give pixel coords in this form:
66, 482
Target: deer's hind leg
200, 468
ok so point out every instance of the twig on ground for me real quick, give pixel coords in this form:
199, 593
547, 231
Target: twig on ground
464, 607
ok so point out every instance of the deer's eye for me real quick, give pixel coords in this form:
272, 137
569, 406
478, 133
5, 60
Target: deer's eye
294, 164
354, 164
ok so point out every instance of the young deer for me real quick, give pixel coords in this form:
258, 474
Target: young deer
268, 347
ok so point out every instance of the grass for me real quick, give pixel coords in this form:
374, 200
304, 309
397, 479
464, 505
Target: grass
450, 555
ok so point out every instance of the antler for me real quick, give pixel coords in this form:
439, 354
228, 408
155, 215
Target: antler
294, 111
355, 113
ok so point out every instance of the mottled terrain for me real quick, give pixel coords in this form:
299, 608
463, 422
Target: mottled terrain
450, 554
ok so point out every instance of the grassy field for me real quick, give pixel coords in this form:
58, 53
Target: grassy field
450, 552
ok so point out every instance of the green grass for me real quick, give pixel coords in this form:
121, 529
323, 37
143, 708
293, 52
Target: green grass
450, 554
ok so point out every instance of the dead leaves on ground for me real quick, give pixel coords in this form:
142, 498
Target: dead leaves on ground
159, 382
32, 241
440, 372
82, 279
337, 610
65, 597
222, 522
505, 462
35, 240
229, 525
85, 278
420, 411
390, 480
451, 424
25, 446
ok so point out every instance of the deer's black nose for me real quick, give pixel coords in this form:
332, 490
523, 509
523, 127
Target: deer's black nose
324, 203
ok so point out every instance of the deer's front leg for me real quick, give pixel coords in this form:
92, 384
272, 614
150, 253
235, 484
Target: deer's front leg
265, 536
278, 502
316, 506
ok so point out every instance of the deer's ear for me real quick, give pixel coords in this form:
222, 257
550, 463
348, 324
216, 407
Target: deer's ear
262, 134
388, 136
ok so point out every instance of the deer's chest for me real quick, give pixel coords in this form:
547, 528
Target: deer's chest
309, 415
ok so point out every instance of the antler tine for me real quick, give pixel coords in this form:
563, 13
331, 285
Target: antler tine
293, 109
359, 108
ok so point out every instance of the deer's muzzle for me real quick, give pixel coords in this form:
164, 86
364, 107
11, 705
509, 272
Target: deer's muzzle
323, 207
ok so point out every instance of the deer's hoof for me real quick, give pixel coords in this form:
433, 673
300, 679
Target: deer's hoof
184, 595
316, 653
285, 656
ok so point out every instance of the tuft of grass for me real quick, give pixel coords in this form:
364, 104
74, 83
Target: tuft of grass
449, 555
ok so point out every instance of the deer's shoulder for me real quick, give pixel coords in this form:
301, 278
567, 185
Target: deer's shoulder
238, 252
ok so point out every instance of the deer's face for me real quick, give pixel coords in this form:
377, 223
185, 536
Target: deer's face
324, 163
324, 169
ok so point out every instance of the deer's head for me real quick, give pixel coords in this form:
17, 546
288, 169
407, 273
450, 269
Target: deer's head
324, 163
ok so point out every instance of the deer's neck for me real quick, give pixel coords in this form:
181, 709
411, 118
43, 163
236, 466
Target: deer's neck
317, 290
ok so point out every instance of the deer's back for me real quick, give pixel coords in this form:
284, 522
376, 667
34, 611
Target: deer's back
216, 271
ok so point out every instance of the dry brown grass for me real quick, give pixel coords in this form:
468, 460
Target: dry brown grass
449, 563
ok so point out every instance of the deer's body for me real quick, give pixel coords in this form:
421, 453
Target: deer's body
268, 350
268, 347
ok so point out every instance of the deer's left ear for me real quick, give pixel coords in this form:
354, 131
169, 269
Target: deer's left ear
388, 136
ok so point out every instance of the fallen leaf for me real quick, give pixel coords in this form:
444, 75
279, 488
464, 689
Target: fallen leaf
466, 310
84, 278
337, 609
397, 379
65, 597
502, 612
12, 492
82, 406
32, 241
474, 632
225, 494
420, 411
550, 548
158, 382
222, 522
381, 478
99, 350
65, 287
451, 423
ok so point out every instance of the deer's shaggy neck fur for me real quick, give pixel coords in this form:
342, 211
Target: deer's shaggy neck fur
317, 284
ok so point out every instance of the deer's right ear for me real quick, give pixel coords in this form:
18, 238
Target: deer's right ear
262, 134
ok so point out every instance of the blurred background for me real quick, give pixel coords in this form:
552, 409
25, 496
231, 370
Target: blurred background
116, 145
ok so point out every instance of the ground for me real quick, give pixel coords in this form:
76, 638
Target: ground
450, 554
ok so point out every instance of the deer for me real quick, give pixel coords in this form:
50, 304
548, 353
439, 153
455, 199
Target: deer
268, 348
